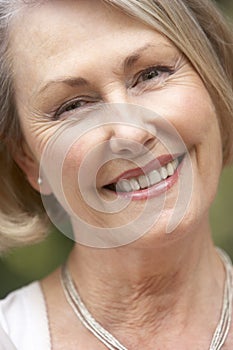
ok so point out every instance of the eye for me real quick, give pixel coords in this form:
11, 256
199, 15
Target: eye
153, 73
71, 106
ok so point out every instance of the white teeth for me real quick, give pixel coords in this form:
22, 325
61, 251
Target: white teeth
145, 181
134, 184
170, 169
175, 163
154, 177
163, 173
123, 186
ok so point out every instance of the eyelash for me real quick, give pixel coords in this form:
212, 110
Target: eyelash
66, 107
147, 71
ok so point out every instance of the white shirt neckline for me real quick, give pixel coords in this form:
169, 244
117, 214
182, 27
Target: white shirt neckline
23, 317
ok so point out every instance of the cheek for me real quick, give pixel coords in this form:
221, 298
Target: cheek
188, 108
37, 132
84, 156
195, 119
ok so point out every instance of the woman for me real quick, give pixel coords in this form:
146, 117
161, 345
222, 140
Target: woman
141, 92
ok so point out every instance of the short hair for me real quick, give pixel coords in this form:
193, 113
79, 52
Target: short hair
196, 27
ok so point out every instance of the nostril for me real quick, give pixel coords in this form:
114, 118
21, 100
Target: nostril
126, 147
125, 152
149, 144
130, 142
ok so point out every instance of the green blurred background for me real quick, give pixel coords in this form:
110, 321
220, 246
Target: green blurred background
24, 265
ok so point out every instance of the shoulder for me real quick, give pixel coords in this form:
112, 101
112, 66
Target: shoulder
23, 318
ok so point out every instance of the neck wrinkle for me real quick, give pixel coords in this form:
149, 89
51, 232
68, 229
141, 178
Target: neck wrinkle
131, 292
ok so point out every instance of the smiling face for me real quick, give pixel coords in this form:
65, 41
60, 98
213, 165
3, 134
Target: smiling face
72, 61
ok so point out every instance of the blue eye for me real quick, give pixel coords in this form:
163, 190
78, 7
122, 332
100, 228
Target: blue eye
154, 73
150, 75
73, 105
69, 107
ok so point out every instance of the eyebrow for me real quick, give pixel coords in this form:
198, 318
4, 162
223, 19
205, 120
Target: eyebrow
135, 56
72, 82
81, 82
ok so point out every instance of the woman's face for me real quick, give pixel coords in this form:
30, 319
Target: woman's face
73, 57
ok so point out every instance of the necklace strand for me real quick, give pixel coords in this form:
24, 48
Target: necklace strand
223, 326
218, 339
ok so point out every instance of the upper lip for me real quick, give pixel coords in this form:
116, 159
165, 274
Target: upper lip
153, 165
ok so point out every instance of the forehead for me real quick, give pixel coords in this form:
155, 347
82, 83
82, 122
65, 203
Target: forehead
50, 38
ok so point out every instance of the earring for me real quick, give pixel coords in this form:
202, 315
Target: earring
39, 181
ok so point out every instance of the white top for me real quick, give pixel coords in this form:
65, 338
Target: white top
23, 320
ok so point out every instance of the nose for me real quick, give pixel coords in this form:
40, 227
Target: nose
130, 141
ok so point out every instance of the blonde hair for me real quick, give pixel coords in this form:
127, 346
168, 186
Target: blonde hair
196, 27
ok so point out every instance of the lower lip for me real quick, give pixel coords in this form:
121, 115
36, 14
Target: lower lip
155, 190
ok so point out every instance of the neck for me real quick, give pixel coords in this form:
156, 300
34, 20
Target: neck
130, 289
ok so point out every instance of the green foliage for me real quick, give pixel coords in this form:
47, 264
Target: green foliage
31, 263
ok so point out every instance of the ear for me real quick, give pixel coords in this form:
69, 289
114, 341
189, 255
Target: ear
30, 166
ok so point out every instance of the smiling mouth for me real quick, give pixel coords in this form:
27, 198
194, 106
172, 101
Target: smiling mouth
146, 180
